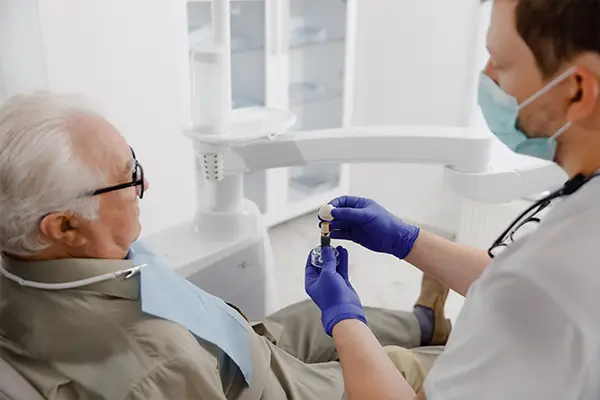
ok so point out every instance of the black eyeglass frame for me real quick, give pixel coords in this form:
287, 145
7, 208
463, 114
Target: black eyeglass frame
507, 237
570, 187
134, 182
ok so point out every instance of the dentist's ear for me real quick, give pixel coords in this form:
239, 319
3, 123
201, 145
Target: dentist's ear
583, 95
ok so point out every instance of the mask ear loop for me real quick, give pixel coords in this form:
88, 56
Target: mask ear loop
552, 139
548, 87
562, 130
545, 90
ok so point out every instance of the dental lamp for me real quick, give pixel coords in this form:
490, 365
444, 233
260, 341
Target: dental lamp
226, 249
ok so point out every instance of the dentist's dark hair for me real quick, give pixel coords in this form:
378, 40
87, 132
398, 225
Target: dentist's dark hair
557, 31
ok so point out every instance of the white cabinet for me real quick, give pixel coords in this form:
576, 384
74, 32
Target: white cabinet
293, 55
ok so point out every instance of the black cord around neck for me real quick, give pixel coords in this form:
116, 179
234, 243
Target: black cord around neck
570, 187
574, 184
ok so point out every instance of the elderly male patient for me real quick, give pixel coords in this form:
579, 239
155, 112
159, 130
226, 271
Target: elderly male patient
69, 190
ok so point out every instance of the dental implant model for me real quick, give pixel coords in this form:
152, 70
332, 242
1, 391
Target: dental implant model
316, 258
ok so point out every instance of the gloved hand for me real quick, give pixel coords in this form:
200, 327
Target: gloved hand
365, 222
330, 289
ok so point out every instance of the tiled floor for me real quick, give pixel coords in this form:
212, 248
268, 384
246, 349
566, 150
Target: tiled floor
380, 280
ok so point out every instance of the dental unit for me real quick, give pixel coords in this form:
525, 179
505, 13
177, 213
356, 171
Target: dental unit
226, 249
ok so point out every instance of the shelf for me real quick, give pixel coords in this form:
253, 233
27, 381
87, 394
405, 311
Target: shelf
233, 1
203, 36
246, 45
305, 182
243, 102
297, 194
247, 25
309, 92
247, 124
318, 115
258, 50
311, 44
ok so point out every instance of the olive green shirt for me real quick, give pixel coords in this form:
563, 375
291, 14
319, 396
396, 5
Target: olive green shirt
94, 342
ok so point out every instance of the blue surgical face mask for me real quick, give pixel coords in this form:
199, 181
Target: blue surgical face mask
501, 113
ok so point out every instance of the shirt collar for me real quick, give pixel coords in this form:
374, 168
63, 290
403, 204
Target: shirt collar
73, 269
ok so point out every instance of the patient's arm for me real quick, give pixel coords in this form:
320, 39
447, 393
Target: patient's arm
454, 265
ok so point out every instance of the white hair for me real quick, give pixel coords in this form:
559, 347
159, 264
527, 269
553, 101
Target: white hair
40, 170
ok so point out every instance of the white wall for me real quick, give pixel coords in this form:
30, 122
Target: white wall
22, 64
415, 65
126, 57
133, 73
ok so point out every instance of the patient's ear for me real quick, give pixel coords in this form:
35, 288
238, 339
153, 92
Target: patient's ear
62, 228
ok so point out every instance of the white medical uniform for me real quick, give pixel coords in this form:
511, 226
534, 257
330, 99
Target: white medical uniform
530, 325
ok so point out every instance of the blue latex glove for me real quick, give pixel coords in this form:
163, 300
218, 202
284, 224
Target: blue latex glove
330, 289
365, 222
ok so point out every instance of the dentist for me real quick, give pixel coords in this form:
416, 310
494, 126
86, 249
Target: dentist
530, 326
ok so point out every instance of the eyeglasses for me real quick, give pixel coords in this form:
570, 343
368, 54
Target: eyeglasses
531, 216
528, 219
137, 180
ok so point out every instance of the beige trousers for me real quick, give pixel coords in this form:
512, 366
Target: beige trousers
300, 333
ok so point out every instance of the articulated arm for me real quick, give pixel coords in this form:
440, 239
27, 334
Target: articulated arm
454, 147
477, 165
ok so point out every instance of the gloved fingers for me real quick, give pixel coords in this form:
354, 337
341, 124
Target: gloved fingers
356, 215
339, 201
311, 273
350, 202
329, 261
341, 234
342, 267
340, 225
